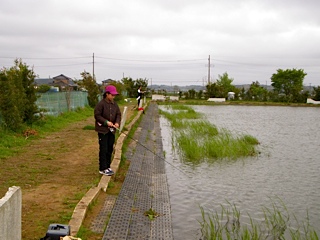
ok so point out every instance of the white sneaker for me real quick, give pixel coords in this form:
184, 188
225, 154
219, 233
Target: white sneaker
107, 172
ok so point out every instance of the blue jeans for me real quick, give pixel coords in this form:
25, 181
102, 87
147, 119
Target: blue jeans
106, 142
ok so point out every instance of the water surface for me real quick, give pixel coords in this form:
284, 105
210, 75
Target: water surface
288, 166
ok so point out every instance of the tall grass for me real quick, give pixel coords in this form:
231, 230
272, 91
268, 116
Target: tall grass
277, 223
180, 112
199, 140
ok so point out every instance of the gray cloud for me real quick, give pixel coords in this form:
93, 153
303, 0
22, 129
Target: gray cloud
152, 39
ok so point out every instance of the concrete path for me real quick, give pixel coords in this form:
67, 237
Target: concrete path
144, 188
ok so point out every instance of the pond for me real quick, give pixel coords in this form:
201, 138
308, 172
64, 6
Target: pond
287, 167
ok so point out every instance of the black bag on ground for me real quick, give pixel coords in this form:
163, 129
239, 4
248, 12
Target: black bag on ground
55, 231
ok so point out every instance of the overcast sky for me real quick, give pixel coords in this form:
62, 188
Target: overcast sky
165, 41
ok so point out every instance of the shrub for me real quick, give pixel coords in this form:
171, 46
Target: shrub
17, 96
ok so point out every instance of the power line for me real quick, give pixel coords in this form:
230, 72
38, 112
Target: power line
63, 65
137, 60
145, 60
193, 67
43, 58
116, 59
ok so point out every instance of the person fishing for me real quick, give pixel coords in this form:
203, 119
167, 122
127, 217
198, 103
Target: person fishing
107, 116
140, 93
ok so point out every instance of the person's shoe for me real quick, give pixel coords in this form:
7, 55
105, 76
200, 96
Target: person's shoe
107, 172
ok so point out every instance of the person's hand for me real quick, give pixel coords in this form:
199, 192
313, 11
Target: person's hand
116, 125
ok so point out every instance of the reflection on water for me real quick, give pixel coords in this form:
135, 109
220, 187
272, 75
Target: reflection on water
287, 167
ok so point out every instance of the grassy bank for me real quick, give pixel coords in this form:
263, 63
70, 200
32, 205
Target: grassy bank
55, 165
11, 142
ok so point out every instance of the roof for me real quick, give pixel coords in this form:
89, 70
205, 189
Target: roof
108, 81
43, 81
56, 81
62, 77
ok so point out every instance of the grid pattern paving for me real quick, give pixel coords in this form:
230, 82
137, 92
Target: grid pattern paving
98, 224
144, 188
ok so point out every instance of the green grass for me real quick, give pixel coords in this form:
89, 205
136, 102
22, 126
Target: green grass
277, 223
84, 233
181, 112
129, 138
11, 142
199, 140
89, 127
53, 124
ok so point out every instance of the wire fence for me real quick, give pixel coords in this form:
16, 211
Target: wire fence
55, 103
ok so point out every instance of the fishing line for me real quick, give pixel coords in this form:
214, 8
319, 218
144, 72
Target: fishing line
151, 151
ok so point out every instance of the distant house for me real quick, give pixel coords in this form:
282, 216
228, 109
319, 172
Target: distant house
107, 82
60, 81
63, 82
43, 81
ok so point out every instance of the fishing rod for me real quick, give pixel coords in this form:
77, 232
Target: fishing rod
150, 150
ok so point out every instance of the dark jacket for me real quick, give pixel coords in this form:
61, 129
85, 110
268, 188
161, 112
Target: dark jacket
105, 111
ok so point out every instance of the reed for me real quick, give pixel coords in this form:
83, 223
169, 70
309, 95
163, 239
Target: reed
199, 140
278, 223
201, 127
181, 112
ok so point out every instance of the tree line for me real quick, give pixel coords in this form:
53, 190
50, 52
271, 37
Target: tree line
287, 86
19, 93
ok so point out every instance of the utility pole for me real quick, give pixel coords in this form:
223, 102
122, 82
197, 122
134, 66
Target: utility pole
93, 66
209, 70
209, 66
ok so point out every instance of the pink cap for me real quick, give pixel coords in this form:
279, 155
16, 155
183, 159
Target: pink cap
111, 89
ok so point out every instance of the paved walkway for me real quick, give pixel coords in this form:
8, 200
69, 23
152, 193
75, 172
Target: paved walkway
145, 187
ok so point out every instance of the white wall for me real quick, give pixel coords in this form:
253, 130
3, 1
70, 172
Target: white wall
10, 214
309, 100
157, 97
216, 99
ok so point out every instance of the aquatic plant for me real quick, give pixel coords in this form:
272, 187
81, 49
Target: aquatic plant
199, 140
277, 223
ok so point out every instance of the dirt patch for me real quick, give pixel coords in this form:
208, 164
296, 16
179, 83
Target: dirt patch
54, 173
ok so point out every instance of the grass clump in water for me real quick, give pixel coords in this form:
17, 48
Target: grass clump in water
277, 223
199, 140
180, 112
